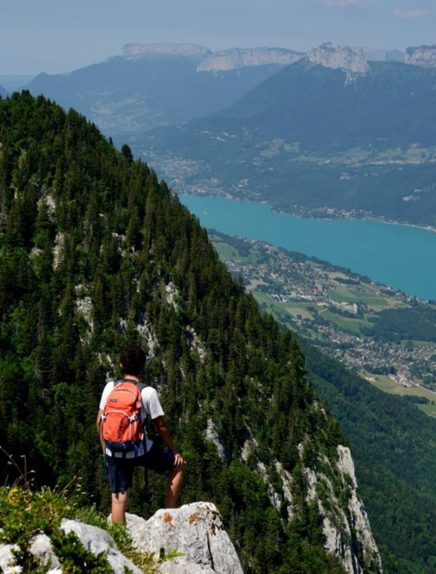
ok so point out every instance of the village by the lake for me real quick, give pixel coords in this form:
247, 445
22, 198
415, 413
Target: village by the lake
351, 318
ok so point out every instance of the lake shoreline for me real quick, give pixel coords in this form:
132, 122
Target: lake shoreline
399, 258
320, 213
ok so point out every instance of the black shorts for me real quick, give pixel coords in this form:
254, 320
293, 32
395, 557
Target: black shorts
120, 470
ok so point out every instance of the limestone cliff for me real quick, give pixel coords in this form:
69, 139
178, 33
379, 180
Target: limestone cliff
221, 61
332, 487
352, 60
236, 58
424, 56
163, 49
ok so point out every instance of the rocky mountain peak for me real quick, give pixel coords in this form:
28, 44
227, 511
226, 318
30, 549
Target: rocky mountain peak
424, 56
236, 58
352, 60
163, 49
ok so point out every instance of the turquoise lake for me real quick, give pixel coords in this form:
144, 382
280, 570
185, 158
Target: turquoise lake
400, 256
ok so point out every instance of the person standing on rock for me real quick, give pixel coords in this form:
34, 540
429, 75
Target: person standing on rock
124, 406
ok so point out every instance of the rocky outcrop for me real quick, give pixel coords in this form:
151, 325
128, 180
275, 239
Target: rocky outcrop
424, 56
237, 58
345, 524
7, 556
185, 50
192, 539
98, 541
195, 530
41, 548
352, 60
346, 528
222, 61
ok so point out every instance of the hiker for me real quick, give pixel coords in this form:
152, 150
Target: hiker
122, 457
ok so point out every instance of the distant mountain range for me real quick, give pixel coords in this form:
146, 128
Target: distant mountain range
332, 131
14, 82
151, 85
3, 92
339, 130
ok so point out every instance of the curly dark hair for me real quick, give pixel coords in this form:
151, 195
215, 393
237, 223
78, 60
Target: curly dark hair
132, 360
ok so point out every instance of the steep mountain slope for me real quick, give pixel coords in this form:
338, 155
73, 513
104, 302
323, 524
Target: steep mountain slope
152, 85
393, 443
317, 135
394, 449
392, 104
95, 252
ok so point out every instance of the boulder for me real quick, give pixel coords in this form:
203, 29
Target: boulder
7, 557
41, 547
195, 530
97, 541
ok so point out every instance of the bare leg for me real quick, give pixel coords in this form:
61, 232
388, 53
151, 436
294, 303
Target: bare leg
174, 486
119, 502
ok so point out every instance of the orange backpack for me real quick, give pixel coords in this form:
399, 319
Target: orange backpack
122, 428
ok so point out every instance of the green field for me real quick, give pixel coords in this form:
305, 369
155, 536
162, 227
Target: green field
388, 386
344, 295
347, 324
298, 311
225, 251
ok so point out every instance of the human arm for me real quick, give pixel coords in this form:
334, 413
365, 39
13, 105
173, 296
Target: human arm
99, 425
162, 429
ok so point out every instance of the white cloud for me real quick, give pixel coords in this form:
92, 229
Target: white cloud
341, 3
411, 14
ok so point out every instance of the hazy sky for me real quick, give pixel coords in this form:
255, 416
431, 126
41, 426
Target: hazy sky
61, 35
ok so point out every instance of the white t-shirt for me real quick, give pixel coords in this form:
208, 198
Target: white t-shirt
151, 406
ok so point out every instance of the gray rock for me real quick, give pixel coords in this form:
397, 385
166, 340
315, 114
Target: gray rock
351, 60
42, 549
7, 557
237, 58
165, 49
424, 56
97, 541
181, 565
196, 530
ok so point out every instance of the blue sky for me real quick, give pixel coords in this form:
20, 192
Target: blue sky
61, 35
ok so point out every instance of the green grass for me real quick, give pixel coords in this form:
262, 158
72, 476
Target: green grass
225, 251
344, 295
424, 344
24, 512
429, 409
298, 310
347, 324
386, 384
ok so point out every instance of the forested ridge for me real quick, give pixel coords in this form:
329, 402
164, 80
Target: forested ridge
95, 252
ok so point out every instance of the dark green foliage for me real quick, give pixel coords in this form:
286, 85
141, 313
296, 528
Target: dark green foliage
393, 446
418, 323
95, 252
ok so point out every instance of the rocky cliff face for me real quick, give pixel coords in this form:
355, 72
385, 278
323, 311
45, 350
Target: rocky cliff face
222, 61
240, 58
345, 524
194, 533
185, 50
424, 56
352, 60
